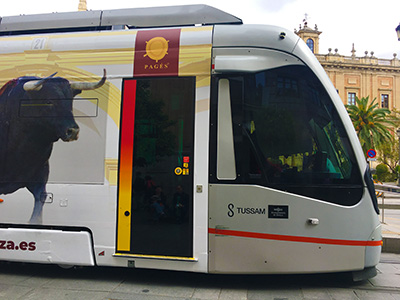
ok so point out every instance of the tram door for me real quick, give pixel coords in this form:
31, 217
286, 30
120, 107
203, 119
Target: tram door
155, 194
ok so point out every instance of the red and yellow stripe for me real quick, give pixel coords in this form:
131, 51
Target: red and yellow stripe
126, 166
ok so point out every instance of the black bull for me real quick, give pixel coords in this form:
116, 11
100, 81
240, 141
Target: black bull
35, 113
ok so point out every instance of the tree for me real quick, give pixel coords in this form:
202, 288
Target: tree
389, 154
371, 123
382, 172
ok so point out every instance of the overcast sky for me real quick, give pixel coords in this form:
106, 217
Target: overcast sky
369, 24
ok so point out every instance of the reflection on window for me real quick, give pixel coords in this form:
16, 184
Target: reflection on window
288, 135
385, 101
310, 44
163, 158
351, 98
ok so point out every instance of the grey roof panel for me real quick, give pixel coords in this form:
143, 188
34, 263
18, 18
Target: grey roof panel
262, 36
133, 17
168, 16
51, 21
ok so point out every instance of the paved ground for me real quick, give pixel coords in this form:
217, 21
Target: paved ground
49, 282
389, 206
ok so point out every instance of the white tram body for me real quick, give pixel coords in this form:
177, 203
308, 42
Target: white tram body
212, 146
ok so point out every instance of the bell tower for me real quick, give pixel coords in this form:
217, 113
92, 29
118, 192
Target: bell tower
309, 36
82, 5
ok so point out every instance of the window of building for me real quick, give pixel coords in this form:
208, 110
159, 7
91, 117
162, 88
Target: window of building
310, 44
351, 98
385, 101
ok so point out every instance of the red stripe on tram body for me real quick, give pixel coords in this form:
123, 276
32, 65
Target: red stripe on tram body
290, 238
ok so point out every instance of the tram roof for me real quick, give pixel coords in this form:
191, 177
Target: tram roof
167, 16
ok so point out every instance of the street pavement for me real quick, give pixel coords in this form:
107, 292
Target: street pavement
389, 204
50, 282
20, 281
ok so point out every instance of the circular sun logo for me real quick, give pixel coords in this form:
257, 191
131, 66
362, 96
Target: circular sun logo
156, 48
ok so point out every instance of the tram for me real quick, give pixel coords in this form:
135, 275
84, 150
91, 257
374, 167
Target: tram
177, 138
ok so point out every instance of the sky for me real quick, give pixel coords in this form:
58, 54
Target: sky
369, 24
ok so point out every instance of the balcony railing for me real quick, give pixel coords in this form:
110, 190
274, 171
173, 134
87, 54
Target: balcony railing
365, 60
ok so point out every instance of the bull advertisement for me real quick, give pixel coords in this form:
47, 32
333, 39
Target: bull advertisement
60, 108
53, 116
35, 113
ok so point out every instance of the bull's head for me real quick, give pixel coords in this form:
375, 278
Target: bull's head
52, 97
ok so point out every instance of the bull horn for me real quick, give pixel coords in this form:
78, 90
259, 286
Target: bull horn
36, 85
84, 86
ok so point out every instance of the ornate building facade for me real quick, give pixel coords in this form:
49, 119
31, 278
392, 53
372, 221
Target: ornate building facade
355, 76
82, 6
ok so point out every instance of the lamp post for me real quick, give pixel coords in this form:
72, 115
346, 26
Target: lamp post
398, 32
398, 168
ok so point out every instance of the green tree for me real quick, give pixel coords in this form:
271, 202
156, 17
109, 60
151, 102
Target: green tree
371, 123
382, 172
389, 154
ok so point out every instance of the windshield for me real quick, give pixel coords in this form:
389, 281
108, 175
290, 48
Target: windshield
288, 135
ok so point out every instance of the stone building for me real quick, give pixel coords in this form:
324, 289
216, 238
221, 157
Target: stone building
82, 6
358, 76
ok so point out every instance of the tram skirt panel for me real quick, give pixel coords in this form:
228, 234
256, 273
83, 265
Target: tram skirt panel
245, 238
248, 255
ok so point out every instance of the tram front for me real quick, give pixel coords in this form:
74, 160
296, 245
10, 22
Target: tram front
289, 187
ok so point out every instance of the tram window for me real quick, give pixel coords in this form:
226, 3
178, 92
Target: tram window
289, 136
